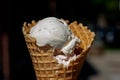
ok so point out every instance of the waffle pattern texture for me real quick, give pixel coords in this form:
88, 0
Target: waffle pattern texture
46, 66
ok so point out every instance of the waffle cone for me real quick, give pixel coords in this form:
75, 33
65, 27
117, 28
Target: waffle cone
46, 66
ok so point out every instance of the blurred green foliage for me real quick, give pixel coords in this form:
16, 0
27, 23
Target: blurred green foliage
110, 5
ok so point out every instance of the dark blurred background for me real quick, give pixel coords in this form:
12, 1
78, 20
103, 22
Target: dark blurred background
101, 16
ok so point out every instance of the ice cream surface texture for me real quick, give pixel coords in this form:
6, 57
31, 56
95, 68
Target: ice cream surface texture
55, 32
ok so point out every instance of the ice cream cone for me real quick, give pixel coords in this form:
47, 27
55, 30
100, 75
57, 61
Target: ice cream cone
46, 66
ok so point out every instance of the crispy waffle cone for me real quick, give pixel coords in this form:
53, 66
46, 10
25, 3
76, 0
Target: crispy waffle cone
46, 66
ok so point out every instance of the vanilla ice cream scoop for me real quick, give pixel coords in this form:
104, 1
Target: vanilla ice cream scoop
53, 31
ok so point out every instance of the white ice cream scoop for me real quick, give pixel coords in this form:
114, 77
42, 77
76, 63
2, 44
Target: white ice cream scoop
52, 31
55, 32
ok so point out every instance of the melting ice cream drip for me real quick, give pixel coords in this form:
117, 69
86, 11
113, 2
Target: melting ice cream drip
68, 49
62, 59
